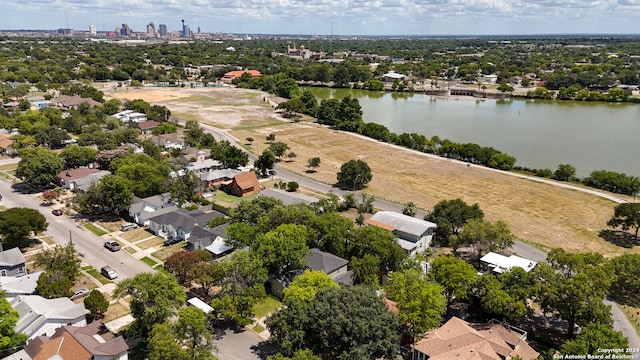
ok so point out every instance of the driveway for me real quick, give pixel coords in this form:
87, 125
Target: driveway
241, 344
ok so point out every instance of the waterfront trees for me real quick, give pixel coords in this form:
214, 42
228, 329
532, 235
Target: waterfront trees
354, 174
450, 216
626, 216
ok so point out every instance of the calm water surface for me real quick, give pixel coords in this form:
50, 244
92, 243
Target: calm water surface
540, 134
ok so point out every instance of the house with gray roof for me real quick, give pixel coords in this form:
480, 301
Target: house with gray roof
40, 316
19, 285
82, 185
12, 263
203, 166
91, 342
289, 198
179, 224
414, 235
142, 209
214, 240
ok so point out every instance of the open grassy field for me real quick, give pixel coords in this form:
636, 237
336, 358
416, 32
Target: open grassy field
536, 212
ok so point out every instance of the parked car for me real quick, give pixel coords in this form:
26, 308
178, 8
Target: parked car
128, 226
112, 245
171, 241
109, 272
57, 212
80, 294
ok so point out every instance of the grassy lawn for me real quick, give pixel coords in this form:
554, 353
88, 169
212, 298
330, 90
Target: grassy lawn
154, 241
149, 261
115, 311
227, 200
94, 229
265, 307
111, 226
96, 274
632, 314
136, 234
8, 167
258, 329
167, 251
130, 250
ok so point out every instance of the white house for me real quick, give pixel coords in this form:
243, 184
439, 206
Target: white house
414, 235
130, 116
40, 316
498, 263
141, 209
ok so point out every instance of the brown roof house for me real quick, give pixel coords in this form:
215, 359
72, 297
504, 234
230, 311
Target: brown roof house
6, 145
460, 340
232, 75
245, 184
72, 102
91, 342
68, 178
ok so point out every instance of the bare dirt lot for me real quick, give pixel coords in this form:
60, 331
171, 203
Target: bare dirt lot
536, 212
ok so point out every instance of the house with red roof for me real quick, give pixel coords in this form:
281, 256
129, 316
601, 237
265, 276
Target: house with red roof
228, 78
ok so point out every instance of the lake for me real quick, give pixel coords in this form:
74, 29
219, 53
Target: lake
539, 133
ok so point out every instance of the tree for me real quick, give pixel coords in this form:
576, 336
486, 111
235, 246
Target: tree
181, 263
593, 338
410, 209
565, 172
455, 275
283, 248
420, 301
304, 287
206, 274
291, 156
304, 354
354, 174
265, 162
184, 189
154, 298
348, 322
9, 339
75, 156
292, 186
61, 269
249, 140
278, 149
97, 304
365, 270
192, 332
450, 216
485, 236
162, 344
574, 286
117, 192
376, 242
626, 285
313, 163
328, 232
626, 216
271, 137
17, 224
496, 300
38, 166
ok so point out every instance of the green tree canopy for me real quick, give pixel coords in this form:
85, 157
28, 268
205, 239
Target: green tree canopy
304, 287
376, 242
17, 224
626, 286
75, 156
154, 298
97, 304
450, 216
342, 323
283, 248
626, 216
265, 162
484, 236
61, 268
354, 174
593, 338
9, 339
38, 166
455, 275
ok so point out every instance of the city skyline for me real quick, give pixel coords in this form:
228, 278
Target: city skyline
328, 17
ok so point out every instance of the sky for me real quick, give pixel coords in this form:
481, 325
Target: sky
332, 17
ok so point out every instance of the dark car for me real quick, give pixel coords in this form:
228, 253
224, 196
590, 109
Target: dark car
112, 245
171, 241
56, 212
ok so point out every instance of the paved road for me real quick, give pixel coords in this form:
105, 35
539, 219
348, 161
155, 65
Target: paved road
241, 344
62, 229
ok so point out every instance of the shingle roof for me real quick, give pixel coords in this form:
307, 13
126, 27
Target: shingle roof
75, 174
324, 261
184, 219
11, 257
35, 311
20, 285
404, 223
457, 339
247, 180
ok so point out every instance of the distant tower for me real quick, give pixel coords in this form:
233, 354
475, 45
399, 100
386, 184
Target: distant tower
198, 29
186, 32
92, 30
162, 29
151, 30
125, 30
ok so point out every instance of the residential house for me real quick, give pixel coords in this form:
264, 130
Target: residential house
82, 185
67, 177
6, 145
130, 116
90, 342
40, 316
19, 285
168, 141
288, 198
204, 166
414, 235
179, 224
141, 209
213, 240
460, 340
393, 76
220, 177
67, 102
146, 127
245, 184
498, 263
12, 263
332, 265
228, 77
191, 154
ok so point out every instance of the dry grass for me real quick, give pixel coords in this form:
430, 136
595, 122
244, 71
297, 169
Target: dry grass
154, 241
536, 212
136, 234
539, 213
115, 311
